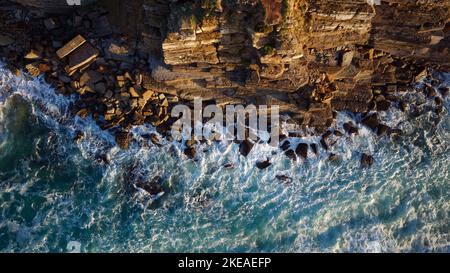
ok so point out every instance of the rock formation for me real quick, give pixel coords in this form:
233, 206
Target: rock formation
309, 57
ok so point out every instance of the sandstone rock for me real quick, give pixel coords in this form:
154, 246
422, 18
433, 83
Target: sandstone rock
123, 139
371, 121
90, 77
71, 46
33, 55
81, 57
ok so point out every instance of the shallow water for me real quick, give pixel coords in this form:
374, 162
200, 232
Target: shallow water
57, 195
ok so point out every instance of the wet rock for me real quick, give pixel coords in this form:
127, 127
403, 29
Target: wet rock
333, 157
284, 178
190, 152
404, 107
286, 145
350, 128
430, 92
228, 166
371, 121
444, 91
78, 136
154, 187
438, 101
123, 139
314, 148
302, 150
338, 133
366, 160
395, 134
324, 144
382, 130
245, 147
291, 154
263, 164
383, 105
155, 139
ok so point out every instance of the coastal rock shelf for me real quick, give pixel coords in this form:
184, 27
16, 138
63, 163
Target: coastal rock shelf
130, 61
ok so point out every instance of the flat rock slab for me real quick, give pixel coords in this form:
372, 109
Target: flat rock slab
70, 46
81, 57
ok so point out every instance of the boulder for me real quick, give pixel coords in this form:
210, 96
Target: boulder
123, 139
263, 164
302, 150
366, 160
245, 147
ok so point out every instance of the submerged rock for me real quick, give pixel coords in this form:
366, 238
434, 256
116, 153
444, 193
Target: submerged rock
366, 160
284, 178
263, 164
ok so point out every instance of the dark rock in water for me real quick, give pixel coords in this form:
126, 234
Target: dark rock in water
327, 134
155, 139
366, 160
438, 101
333, 157
190, 152
430, 92
350, 128
263, 164
286, 145
191, 143
153, 187
102, 158
245, 147
229, 166
439, 109
403, 105
395, 134
338, 133
78, 136
371, 121
291, 154
383, 105
302, 150
284, 178
123, 139
444, 91
314, 148
324, 144
382, 129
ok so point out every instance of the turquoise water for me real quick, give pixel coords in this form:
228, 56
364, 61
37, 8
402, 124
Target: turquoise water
59, 196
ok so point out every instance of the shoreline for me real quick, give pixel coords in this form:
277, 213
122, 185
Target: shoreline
119, 89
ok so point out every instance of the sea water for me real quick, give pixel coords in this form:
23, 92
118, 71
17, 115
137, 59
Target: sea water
58, 195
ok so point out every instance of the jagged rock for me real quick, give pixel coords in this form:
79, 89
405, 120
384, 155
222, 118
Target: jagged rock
154, 187
291, 154
190, 152
123, 139
245, 147
382, 129
81, 57
366, 160
90, 77
284, 178
314, 148
350, 128
371, 121
302, 150
263, 164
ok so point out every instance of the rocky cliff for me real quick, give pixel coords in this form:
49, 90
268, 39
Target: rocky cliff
309, 57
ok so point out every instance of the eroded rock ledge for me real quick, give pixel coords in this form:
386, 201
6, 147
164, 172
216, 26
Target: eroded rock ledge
310, 57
